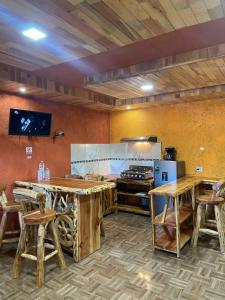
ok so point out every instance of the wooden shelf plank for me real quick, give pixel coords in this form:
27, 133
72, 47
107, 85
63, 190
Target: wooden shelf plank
134, 209
134, 195
170, 219
147, 182
166, 239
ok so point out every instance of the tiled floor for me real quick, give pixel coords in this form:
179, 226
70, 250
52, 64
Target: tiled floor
124, 268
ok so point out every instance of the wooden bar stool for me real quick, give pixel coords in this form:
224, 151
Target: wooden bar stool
216, 200
7, 208
41, 218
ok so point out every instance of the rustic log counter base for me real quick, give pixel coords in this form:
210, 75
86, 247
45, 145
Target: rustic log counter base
79, 214
173, 228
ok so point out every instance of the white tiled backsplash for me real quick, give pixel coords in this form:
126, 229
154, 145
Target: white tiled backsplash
111, 158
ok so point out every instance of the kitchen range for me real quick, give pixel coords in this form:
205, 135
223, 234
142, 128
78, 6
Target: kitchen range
135, 183
138, 173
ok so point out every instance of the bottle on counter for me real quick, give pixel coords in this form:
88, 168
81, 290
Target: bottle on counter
41, 169
47, 174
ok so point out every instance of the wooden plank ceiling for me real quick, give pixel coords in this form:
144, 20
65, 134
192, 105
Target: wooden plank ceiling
191, 76
78, 28
179, 78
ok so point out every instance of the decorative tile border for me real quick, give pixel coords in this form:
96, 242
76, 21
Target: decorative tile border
107, 159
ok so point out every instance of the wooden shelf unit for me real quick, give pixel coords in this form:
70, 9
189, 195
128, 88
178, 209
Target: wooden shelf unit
173, 227
170, 219
166, 238
130, 194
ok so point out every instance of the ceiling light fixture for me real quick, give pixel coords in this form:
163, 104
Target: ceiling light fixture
34, 34
22, 89
147, 87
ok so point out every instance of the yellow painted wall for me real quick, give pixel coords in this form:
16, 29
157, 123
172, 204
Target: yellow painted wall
185, 126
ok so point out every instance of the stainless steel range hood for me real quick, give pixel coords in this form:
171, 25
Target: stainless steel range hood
152, 139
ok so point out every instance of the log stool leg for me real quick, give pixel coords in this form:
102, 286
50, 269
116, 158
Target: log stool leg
220, 226
197, 227
20, 217
40, 255
57, 245
20, 250
203, 215
2, 226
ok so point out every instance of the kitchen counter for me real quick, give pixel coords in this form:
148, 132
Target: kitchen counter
77, 186
79, 211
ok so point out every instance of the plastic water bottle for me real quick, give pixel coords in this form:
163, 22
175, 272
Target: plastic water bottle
40, 177
41, 169
47, 174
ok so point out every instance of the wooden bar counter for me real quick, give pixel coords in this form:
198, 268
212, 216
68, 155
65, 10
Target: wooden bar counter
79, 212
170, 231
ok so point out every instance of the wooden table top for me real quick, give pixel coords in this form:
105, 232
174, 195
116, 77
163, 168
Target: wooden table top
180, 186
78, 186
111, 177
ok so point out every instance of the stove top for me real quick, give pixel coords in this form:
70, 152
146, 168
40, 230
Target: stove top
138, 172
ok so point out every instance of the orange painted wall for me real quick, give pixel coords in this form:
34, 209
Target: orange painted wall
80, 126
185, 126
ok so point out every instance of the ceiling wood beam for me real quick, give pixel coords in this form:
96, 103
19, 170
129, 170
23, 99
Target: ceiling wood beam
157, 65
11, 79
38, 87
205, 93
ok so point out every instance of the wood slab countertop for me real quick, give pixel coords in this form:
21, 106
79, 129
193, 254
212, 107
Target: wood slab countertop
111, 177
181, 185
77, 186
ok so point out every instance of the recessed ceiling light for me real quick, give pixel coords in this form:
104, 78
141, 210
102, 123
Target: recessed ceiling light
22, 89
147, 87
34, 34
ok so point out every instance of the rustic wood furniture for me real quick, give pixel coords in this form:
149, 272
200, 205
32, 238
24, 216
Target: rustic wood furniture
7, 208
98, 177
108, 196
215, 199
77, 203
43, 218
108, 201
132, 195
172, 229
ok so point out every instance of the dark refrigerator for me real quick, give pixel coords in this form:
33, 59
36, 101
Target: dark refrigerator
166, 171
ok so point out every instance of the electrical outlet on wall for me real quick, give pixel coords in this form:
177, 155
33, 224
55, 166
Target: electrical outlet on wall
199, 169
28, 150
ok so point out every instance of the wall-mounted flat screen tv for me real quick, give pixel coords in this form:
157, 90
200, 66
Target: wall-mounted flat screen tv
29, 123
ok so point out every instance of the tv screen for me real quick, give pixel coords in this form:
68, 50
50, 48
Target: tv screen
29, 123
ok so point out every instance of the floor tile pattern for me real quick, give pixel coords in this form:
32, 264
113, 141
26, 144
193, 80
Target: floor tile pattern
125, 268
